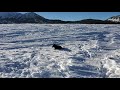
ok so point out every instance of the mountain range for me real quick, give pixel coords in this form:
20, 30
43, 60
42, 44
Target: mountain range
31, 17
114, 18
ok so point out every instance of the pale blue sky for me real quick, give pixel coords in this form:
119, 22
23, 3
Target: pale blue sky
77, 15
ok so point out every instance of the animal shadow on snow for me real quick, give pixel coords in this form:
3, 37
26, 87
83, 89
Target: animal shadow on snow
66, 49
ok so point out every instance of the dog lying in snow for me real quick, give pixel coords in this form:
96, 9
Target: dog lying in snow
55, 46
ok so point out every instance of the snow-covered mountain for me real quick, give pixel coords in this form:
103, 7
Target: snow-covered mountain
114, 18
14, 17
32, 18
10, 14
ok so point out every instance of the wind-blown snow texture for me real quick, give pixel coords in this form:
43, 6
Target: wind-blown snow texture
91, 51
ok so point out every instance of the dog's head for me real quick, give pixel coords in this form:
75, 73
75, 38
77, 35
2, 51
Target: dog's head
57, 46
54, 45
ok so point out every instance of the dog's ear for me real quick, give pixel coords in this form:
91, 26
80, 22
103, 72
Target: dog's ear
53, 45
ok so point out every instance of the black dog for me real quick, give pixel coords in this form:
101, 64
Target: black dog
57, 47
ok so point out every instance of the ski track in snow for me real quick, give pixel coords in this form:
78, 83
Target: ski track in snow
91, 51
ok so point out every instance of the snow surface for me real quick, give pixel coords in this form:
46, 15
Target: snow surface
91, 51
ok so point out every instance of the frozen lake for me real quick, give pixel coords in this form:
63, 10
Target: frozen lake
91, 51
